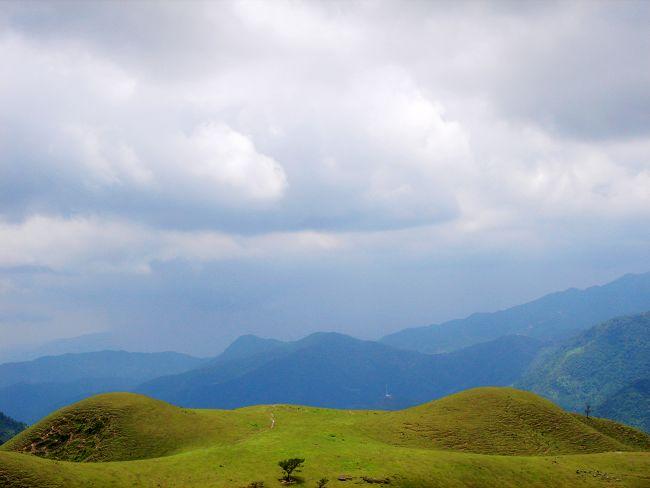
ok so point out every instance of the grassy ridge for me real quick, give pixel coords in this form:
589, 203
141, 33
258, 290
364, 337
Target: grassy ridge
126, 426
504, 421
456, 441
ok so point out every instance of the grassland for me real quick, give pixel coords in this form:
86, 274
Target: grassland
493, 437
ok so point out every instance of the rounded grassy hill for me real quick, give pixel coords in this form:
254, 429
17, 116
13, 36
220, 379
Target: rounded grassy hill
480, 437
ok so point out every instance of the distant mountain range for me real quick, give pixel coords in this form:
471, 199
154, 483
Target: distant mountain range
607, 367
99, 341
553, 317
31, 389
334, 370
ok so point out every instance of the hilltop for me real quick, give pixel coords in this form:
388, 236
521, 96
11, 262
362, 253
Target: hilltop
487, 436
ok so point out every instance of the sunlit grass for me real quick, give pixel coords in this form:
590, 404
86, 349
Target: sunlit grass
483, 437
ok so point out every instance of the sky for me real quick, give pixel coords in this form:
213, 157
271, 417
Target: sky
178, 174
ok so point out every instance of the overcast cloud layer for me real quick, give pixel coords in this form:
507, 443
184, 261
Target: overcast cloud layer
182, 173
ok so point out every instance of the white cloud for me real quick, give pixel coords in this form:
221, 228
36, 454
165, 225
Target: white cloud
222, 157
329, 124
99, 245
363, 131
105, 160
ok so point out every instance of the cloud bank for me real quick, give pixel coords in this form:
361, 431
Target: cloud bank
213, 169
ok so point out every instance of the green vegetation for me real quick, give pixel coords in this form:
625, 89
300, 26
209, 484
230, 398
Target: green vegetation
289, 466
9, 427
501, 421
594, 367
498, 437
630, 405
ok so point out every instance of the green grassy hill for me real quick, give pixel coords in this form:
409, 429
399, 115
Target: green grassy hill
481, 437
504, 421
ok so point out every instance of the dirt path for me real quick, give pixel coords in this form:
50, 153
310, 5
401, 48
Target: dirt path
272, 420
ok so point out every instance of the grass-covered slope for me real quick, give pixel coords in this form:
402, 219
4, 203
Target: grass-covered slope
122, 426
504, 421
9, 427
594, 365
456, 441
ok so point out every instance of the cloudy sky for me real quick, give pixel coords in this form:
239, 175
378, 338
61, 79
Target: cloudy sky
182, 173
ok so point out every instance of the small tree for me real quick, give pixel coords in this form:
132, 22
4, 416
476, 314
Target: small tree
587, 410
322, 482
289, 466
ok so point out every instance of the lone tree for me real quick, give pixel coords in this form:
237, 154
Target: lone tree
289, 466
322, 482
587, 410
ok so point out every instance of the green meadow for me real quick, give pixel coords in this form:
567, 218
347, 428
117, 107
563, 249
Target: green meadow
493, 437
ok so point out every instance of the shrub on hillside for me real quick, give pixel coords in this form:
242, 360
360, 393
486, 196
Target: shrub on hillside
290, 465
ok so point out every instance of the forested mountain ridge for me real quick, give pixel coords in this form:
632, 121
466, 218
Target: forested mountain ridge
595, 366
9, 427
630, 405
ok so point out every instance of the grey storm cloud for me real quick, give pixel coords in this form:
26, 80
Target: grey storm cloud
389, 146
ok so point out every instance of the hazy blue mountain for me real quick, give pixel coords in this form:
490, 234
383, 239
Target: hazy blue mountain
99, 341
103, 364
31, 402
249, 345
630, 405
553, 317
595, 365
9, 427
30, 390
334, 370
